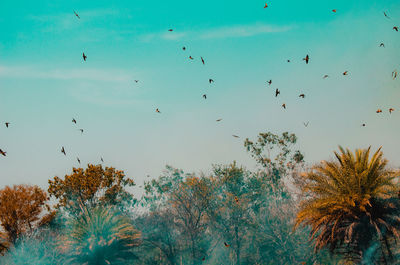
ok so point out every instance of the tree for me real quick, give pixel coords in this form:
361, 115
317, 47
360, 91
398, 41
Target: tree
21, 208
351, 205
101, 235
93, 186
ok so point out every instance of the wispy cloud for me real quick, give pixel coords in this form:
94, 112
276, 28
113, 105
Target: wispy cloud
236, 31
30, 72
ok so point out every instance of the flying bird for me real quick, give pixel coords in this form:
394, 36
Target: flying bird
210, 80
235, 136
396, 28
325, 76
363, 125
307, 58
63, 151
2, 152
76, 14
7, 123
202, 60
277, 92
345, 72
84, 56
184, 48
73, 120
334, 10
302, 96
306, 123
170, 30
288, 61
382, 45
158, 111
227, 245
205, 96
81, 130
269, 82
136, 81
190, 57
384, 13
284, 105
79, 161
379, 111
101, 159
391, 110
266, 5
218, 120
394, 74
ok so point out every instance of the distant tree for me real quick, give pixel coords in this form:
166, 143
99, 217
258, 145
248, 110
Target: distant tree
21, 207
93, 186
351, 206
101, 235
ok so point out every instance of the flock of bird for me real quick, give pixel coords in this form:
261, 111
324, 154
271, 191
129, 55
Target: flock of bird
306, 59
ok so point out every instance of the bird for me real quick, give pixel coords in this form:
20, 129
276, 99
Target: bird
288, 61
101, 159
3, 152
394, 74
382, 45
269, 82
307, 58
79, 161
284, 105
202, 60
235, 136
170, 30
325, 76
76, 14
184, 48
384, 13
210, 80
84, 56
158, 111
306, 124
266, 5
363, 125
73, 120
218, 120
391, 110
396, 28
63, 151
205, 96
302, 96
136, 81
81, 130
190, 57
277, 92
334, 10
227, 245
345, 72
379, 111
7, 123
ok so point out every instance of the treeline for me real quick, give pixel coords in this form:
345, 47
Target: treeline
344, 211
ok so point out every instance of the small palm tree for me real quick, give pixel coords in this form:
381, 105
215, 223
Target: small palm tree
351, 205
101, 236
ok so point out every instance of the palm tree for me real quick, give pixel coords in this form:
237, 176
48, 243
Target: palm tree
101, 236
351, 206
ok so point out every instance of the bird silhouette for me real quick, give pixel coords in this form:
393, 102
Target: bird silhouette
269, 82
190, 57
363, 125
63, 151
76, 14
266, 5
81, 130
307, 58
227, 245
284, 105
302, 96
325, 76
101, 159
288, 61
210, 80
7, 123
382, 45
136, 81
205, 96
384, 13
391, 110
394, 74
379, 111
277, 92
218, 120
184, 48
158, 111
334, 10
84, 56
79, 161
73, 120
202, 60
345, 72
3, 153
235, 136
306, 124
170, 30
396, 28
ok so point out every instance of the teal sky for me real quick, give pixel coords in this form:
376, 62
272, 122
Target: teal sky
44, 82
